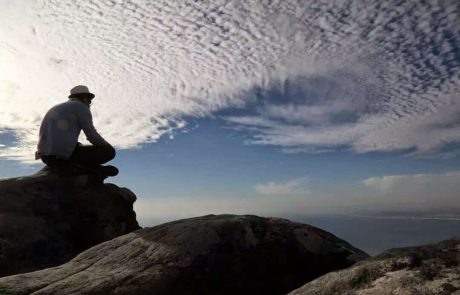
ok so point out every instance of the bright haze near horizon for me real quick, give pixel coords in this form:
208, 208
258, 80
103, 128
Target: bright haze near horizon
276, 108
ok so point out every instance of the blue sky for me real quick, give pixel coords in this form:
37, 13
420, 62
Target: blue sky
247, 107
210, 169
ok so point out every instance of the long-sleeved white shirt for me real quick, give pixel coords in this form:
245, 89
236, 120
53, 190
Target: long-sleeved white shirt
61, 128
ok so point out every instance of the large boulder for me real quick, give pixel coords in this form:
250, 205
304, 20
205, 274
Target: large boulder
431, 269
223, 254
47, 219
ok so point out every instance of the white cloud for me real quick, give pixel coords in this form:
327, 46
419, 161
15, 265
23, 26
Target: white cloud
293, 187
434, 190
427, 133
373, 76
308, 150
413, 181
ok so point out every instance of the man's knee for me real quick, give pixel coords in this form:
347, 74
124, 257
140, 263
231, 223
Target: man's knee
110, 152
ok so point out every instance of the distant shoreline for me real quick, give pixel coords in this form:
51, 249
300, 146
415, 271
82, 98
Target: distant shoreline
449, 218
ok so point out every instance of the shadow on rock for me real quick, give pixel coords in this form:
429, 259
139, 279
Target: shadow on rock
47, 219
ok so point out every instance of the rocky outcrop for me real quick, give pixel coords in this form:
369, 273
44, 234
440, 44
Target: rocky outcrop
223, 254
431, 269
48, 218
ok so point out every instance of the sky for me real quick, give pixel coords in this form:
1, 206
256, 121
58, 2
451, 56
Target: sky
263, 107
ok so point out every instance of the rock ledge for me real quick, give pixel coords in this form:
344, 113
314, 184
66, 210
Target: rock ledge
46, 218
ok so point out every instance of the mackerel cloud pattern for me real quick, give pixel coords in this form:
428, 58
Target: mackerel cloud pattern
307, 76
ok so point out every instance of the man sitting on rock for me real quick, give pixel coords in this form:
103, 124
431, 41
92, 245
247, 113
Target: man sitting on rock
58, 144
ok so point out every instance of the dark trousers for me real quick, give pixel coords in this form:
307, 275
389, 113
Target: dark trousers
87, 155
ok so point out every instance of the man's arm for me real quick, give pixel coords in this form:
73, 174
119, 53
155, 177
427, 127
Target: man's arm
85, 120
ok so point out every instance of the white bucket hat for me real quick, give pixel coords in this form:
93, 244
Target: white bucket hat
80, 89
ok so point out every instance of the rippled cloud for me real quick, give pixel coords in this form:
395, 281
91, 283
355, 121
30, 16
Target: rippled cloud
281, 189
312, 76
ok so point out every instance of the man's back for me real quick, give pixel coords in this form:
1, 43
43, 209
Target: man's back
60, 129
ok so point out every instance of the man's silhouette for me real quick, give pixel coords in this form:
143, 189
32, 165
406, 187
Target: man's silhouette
58, 144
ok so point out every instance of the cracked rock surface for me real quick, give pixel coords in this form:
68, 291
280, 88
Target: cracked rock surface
429, 269
213, 254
